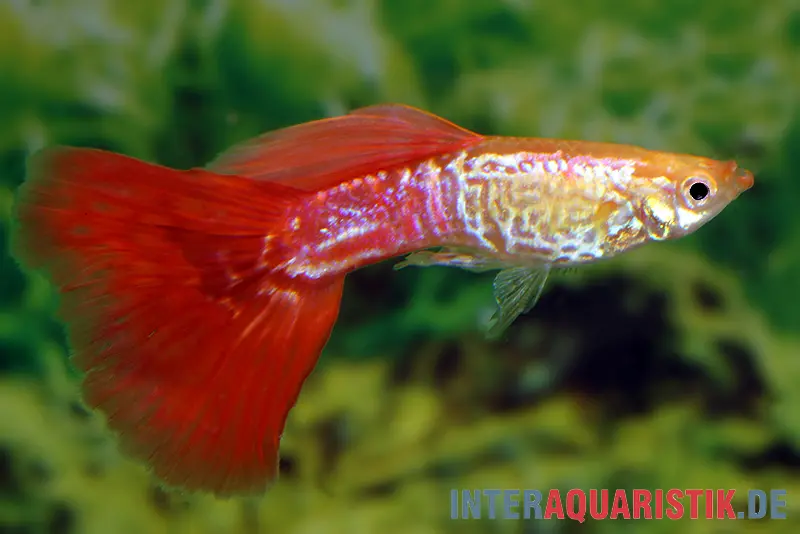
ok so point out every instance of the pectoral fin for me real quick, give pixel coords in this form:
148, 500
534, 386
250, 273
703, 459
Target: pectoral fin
448, 257
516, 291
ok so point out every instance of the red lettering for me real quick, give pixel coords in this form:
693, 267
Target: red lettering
620, 505
641, 501
694, 508
596, 512
673, 500
576, 505
659, 504
709, 503
554, 505
725, 504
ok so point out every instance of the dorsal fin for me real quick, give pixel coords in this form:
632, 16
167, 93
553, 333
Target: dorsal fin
323, 153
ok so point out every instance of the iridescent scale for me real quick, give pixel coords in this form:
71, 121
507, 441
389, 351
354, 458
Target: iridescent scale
546, 207
513, 207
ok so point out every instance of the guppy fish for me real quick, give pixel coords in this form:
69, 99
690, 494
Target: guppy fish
198, 301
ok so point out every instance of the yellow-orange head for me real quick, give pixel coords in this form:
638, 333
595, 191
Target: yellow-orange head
681, 193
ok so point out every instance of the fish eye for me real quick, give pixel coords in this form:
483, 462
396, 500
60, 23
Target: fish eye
698, 189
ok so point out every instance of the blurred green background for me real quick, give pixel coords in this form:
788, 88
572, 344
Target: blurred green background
675, 366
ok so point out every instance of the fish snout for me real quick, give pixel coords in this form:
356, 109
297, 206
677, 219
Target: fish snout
743, 179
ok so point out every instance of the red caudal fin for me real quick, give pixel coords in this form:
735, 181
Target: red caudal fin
194, 343
322, 153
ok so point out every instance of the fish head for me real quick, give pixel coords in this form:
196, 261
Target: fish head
681, 193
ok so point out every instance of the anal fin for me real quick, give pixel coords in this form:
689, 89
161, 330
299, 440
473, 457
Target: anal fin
516, 290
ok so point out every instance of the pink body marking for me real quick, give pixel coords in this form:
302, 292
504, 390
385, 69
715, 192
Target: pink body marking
498, 200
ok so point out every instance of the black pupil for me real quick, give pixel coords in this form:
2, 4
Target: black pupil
698, 190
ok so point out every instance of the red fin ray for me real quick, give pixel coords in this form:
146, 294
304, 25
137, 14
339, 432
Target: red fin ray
322, 153
194, 343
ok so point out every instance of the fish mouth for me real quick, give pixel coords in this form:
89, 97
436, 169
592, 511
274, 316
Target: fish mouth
744, 179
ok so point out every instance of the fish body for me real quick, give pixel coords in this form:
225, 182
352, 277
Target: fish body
510, 201
197, 302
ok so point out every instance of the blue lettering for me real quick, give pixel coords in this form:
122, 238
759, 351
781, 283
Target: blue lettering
753, 511
533, 499
471, 504
509, 503
777, 499
491, 493
453, 504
